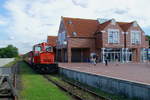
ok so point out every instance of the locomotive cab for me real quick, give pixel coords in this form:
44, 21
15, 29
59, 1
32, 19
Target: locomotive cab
43, 54
43, 57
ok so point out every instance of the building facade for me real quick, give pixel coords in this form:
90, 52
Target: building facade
52, 41
79, 38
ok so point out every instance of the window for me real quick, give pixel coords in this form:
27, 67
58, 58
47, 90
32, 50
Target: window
135, 37
69, 22
49, 48
113, 36
74, 33
37, 48
61, 37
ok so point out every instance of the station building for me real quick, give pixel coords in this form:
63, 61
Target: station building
79, 38
52, 41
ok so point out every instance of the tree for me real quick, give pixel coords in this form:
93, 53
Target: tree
8, 52
148, 37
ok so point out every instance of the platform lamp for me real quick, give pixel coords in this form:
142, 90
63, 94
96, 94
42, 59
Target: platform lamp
64, 44
56, 51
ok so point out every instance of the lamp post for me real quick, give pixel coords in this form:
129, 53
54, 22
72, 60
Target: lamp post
64, 45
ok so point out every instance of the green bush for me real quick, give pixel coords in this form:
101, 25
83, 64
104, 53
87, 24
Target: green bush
9, 52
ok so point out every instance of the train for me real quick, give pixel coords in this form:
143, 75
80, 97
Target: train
42, 58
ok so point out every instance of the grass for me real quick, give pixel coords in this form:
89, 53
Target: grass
35, 87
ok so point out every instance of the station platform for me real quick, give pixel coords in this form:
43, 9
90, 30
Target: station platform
133, 72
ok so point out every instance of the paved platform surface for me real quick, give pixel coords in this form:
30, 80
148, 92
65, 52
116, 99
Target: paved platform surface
136, 72
4, 61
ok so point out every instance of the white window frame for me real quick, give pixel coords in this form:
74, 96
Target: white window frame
135, 37
115, 36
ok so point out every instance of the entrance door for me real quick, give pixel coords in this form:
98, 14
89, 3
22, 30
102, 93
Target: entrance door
76, 55
113, 54
129, 56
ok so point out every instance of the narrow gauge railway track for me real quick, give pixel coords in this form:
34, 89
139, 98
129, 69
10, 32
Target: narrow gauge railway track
85, 95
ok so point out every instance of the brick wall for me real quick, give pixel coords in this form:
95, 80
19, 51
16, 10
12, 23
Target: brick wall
103, 38
100, 40
82, 43
128, 38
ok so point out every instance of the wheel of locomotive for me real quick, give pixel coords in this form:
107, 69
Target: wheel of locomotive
47, 69
53, 68
44, 69
33, 66
38, 68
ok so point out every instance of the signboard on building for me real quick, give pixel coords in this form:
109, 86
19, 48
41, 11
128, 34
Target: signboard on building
148, 52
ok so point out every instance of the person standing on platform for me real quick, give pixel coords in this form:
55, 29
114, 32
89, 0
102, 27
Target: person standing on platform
94, 60
106, 60
117, 60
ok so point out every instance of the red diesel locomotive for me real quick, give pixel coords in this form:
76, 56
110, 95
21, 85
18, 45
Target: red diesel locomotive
42, 58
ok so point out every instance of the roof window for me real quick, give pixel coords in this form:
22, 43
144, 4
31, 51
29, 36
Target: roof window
74, 33
69, 22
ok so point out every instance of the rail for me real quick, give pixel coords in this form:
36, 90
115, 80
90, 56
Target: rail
85, 89
63, 88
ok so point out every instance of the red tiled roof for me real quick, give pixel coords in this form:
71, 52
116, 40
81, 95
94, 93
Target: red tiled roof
88, 27
83, 27
51, 40
125, 25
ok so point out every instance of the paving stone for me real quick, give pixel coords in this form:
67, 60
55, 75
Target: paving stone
137, 72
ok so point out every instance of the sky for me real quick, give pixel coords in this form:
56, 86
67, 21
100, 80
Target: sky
24, 23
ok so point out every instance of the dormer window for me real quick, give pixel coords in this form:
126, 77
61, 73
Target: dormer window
113, 21
74, 33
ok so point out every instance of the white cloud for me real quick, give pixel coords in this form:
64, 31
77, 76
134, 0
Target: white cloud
82, 3
30, 21
2, 22
11, 37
